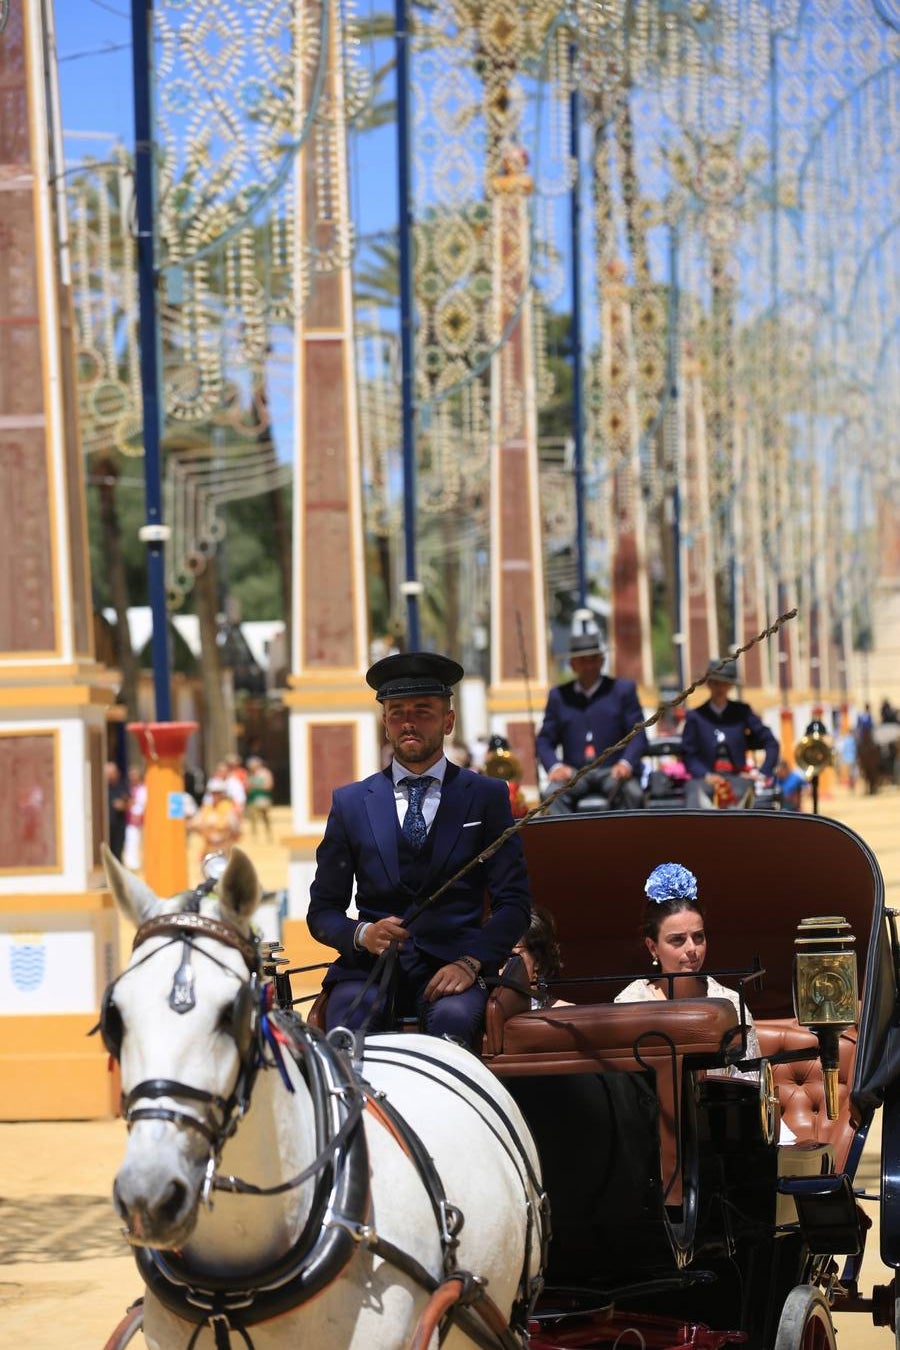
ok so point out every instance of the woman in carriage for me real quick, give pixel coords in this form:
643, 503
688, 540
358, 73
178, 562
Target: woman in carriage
674, 933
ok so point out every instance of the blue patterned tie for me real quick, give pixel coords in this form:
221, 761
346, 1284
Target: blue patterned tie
415, 831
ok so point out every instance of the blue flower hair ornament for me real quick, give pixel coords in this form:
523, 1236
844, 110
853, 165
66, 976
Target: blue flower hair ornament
670, 881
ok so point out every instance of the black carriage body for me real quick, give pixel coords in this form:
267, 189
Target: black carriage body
668, 1199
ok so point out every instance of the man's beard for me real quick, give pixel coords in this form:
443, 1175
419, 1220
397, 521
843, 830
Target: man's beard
414, 752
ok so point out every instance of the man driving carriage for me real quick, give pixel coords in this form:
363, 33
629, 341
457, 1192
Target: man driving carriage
715, 742
400, 834
582, 719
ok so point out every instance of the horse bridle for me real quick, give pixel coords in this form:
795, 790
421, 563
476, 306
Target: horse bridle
187, 927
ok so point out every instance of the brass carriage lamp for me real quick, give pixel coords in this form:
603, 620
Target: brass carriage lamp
825, 991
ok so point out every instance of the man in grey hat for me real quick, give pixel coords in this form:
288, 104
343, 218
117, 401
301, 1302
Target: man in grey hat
716, 739
399, 836
582, 719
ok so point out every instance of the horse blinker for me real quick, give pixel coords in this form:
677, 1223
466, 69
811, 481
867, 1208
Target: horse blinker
242, 1018
110, 1024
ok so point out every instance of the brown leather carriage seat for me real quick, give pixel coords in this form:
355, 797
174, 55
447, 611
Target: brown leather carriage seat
668, 1038
591, 1037
801, 1090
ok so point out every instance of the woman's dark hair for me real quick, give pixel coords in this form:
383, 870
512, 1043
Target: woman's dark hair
655, 913
541, 941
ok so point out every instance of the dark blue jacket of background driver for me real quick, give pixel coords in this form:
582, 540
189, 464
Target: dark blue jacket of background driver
361, 842
609, 714
742, 729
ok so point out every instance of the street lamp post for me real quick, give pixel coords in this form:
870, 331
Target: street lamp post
577, 341
411, 588
154, 533
162, 742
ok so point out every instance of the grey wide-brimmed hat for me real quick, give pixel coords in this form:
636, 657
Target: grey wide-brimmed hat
586, 644
722, 668
412, 674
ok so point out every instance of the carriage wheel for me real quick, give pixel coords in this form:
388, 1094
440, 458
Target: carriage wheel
805, 1321
128, 1328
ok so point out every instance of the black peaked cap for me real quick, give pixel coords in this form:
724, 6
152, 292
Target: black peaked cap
412, 674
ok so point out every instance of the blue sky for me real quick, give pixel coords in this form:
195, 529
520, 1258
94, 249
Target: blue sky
93, 39
94, 48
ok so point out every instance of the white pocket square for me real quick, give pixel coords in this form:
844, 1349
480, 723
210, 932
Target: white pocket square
469, 824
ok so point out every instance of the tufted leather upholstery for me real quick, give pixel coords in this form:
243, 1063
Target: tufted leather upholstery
801, 1090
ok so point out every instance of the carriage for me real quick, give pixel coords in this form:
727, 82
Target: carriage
680, 1217
676, 1210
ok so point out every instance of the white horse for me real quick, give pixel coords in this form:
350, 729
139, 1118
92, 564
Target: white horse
351, 1201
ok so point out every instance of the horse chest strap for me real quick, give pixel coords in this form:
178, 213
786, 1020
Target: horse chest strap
375, 1109
449, 1218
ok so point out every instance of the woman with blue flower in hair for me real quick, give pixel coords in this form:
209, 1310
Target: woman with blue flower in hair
675, 936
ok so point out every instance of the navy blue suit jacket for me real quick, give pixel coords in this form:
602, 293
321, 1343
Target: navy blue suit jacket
361, 843
742, 730
609, 714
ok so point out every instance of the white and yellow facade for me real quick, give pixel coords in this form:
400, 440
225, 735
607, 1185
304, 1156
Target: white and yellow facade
58, 935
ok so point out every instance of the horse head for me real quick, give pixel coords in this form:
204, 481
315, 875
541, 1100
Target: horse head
181, 1019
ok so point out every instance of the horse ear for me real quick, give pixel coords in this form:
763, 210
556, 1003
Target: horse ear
239, 890
133, 897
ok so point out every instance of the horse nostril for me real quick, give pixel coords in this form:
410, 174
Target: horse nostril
120, 1206
174, 1202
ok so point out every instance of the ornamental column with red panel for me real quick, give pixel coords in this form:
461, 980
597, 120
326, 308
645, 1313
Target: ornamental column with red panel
699, 602
58, 930
884, 659
333, 714
630, 654
518, 683
750, 606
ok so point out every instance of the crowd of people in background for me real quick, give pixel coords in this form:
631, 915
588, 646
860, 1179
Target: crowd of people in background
238, 796
215, 809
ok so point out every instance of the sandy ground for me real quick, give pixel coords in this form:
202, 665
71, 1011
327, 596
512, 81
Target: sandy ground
66, 1275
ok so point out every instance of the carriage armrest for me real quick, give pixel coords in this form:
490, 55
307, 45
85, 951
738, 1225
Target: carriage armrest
315, 1013
801, 1089
503, 1003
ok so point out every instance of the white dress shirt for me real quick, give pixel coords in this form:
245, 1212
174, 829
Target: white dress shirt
432, 799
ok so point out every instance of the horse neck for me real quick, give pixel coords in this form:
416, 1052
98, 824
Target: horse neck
274, 1142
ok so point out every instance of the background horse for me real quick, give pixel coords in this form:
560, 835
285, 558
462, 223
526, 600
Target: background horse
344, 1195
869, 759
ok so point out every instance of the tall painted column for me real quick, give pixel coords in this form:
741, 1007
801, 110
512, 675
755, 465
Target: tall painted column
58, 935
884, 660
518, 685
700, 621
630, 655
750, 608
333, 725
